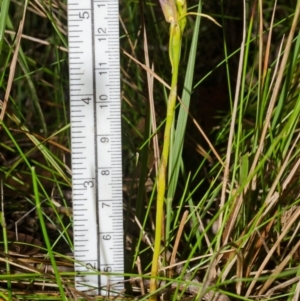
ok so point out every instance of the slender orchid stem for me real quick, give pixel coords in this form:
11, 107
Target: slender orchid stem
178, 20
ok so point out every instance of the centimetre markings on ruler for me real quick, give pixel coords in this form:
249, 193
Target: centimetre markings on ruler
93, 28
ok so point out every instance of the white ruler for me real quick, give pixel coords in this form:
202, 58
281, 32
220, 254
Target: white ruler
96, 144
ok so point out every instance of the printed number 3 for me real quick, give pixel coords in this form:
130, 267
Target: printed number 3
89, 184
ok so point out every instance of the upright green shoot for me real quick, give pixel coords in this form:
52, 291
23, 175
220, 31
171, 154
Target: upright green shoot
175, 13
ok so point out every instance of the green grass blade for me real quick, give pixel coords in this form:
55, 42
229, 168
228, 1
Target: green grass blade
3, 18
45, 234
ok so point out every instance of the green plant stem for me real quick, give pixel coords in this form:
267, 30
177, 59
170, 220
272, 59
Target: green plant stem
174, 51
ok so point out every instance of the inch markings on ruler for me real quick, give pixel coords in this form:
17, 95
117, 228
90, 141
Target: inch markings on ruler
95, 110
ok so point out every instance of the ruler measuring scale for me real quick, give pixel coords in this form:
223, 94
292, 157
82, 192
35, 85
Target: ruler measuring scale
93, 28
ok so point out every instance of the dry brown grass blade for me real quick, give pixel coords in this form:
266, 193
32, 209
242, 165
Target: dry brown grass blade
36, 40
147, 69
273, 196
272, 250
206, 155
276, 89
281, 287
44, 8
19, 264
177, 240
236, 256
202, 230
192, 142
154, 128
150, 82
258, 245
12, 68
279, 268
43, 139
140, 271
232, 218
231, 133
271, 199
297, 292
35, 9
268, 46
128, 36
284, 219
231, 257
